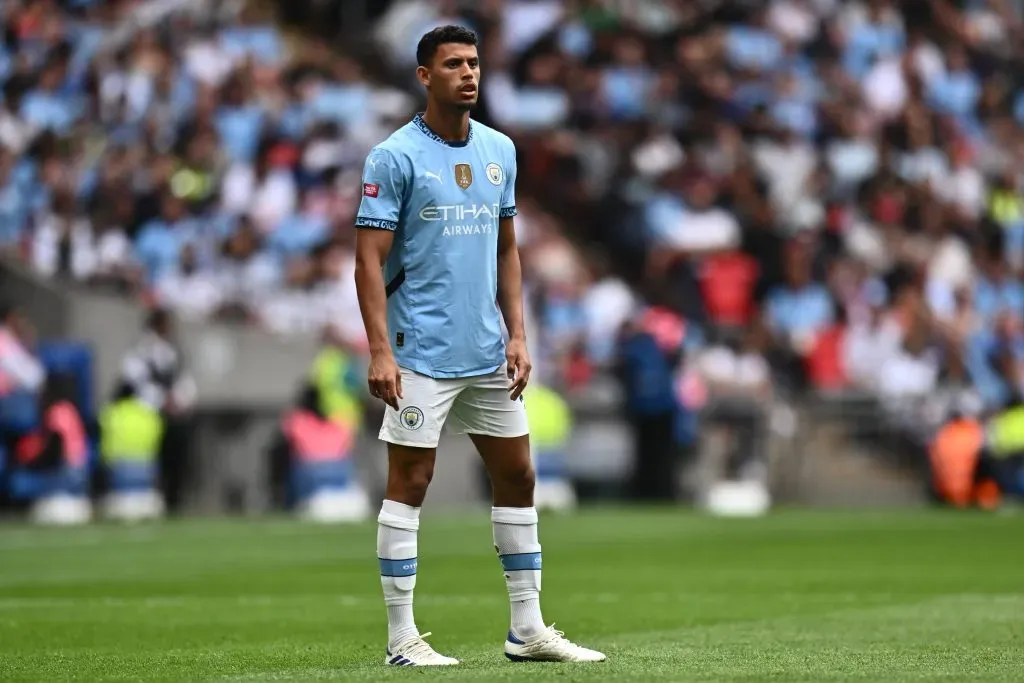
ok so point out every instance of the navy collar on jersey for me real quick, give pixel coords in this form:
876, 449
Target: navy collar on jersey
429, 132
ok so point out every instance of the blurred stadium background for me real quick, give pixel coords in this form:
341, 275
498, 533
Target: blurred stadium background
772, 250
764, 242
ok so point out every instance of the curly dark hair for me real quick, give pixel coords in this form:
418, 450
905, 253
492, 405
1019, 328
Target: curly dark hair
432, 40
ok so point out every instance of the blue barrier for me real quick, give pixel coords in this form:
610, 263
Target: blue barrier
309, 478
21, 415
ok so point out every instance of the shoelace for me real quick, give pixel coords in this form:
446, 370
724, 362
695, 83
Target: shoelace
555, 634
419, 647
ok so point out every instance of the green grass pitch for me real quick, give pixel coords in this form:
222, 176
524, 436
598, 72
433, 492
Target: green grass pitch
668, 595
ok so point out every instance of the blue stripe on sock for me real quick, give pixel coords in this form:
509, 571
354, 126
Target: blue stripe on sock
520, 562
397, 567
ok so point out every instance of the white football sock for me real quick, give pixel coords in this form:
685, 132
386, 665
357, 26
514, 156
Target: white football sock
397, 525
515, 539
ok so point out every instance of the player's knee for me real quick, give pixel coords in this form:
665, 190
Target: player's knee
519, 478
412, 481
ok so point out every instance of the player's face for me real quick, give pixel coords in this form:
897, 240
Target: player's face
454, 76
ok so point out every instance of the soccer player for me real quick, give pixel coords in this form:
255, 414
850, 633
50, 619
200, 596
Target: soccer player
437, 264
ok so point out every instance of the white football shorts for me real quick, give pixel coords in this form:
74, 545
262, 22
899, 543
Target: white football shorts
468, 405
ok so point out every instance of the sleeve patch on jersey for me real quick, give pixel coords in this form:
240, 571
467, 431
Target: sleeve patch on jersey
508, 212
371, 189
378, 223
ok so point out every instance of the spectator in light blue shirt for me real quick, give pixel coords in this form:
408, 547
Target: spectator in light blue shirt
957, 91
983, 350
627, 84
296, 117
878, 36
47, 107
341, 103
801, 308
14, 206
753, 46
251, 38
299, 232
239, 122
793, 109
1018, 108
996, 291
160, 241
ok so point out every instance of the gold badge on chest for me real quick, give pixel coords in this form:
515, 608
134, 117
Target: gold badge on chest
463, 175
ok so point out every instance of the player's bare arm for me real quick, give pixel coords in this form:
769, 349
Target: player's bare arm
372, 249
510, 300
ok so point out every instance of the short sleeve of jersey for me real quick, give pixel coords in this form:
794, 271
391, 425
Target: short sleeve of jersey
508, 194
383, 187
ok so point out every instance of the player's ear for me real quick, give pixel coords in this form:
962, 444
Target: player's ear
424, 75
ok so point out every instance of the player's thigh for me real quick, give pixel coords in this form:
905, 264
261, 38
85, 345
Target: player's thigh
484, 408
509, 468
422, 411
499, 430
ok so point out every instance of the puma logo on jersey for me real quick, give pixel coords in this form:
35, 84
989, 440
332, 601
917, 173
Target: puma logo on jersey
435, 176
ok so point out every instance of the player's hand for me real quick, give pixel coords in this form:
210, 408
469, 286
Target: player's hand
519, 367
384, 379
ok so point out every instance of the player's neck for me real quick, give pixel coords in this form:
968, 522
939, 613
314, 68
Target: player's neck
451, 124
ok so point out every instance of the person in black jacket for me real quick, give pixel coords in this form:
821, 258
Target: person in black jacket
156, 371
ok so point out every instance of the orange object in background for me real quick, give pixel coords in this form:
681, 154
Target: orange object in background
954, 455
987, 494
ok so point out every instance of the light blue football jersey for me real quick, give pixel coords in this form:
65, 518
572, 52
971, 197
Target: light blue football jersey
443, 200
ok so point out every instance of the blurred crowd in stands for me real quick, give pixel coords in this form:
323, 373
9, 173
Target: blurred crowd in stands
778, 196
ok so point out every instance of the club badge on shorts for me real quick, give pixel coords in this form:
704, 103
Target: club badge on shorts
495, 174
463, 175
412, 417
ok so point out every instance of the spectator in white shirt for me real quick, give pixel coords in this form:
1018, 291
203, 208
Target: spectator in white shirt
192, 293
737, 368
266, 193
115, 264
703, 228
296, 307
338, 298
247, 273
910, 373
21, 374
20, 370
738, 381
63, 241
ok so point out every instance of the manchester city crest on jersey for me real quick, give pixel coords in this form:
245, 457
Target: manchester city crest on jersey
463, 175
494, 173
412, 418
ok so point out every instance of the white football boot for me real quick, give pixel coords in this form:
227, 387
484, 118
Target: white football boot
550, 645
416, 652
